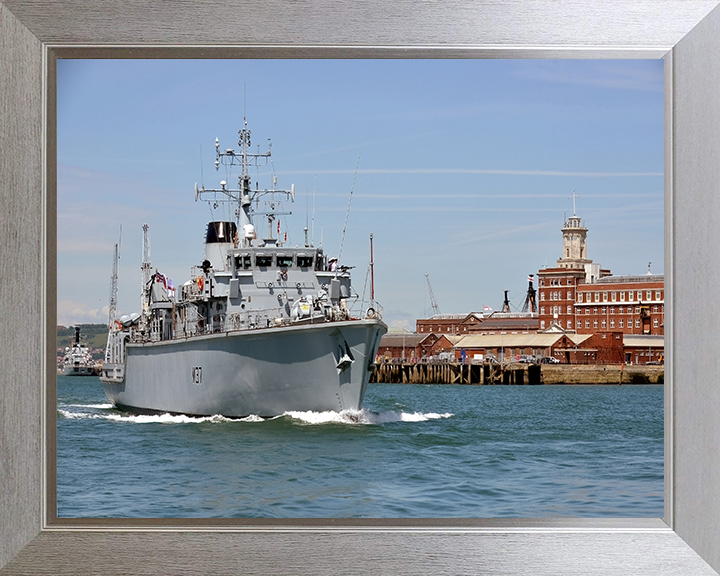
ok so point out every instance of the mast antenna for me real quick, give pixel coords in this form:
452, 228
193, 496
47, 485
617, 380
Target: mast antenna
372, 274
347, 213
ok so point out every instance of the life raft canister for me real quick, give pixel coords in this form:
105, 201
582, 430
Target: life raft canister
201, 283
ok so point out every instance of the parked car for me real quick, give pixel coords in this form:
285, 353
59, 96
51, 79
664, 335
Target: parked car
549, 360
526, 359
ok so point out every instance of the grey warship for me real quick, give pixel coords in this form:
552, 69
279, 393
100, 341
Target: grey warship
260, 328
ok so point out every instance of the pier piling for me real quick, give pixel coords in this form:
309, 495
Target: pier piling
514, 374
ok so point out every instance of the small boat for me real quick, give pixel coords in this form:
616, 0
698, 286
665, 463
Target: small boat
78, 361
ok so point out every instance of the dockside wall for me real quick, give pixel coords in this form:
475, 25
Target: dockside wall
516, 374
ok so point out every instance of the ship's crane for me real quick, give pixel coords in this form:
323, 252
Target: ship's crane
146, 268
433, 303
112, 312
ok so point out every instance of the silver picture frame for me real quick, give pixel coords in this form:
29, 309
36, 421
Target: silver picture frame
686, 33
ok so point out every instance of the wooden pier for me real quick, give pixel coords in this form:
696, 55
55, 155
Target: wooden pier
515, 374
451, 373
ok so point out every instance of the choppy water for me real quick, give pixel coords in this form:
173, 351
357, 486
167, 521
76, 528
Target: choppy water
414, 451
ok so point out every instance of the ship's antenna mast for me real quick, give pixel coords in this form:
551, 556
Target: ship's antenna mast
347, 213
433, 303
372, 274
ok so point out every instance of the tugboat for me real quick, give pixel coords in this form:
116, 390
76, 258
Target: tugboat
78, 361
260, 328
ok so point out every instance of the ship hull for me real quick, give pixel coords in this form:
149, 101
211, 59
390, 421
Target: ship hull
267, 372
82, 370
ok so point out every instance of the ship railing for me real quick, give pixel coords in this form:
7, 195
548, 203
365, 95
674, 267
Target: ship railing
234, 322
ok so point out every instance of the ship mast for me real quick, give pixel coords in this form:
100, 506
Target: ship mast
243, 196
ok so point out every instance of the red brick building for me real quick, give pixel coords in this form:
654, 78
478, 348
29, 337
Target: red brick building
580, 296
628, 304
453, 324
477, 323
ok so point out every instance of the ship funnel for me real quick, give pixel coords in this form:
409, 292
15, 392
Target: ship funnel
219, 241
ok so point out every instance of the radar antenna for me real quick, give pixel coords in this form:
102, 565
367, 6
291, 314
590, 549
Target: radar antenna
530, 302
433, 303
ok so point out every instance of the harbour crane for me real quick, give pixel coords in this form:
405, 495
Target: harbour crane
433, 303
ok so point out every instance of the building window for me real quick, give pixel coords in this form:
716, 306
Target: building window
597, 296
612, 310
622, 310
542, 309
570, 282
612, 323
655, 309
657, 296
580, 297
621, 323
648, 295
622, 296
578, 324
595, 311
637, 309
542, 323
542, 282
655, 323
569, 296
569, 324
637, 323
603, 324
542, 295
594, 323
613, 296
631, 296
604, 296
587, 323
569, 309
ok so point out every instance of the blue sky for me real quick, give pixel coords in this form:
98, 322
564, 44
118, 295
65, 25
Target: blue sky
465, 169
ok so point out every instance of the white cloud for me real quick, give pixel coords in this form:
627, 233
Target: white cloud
71, 313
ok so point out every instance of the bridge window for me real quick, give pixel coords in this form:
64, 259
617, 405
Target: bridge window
305, 261
263, 261
284, 261
243, 261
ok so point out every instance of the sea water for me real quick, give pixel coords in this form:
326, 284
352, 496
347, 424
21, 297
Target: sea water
413, 451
